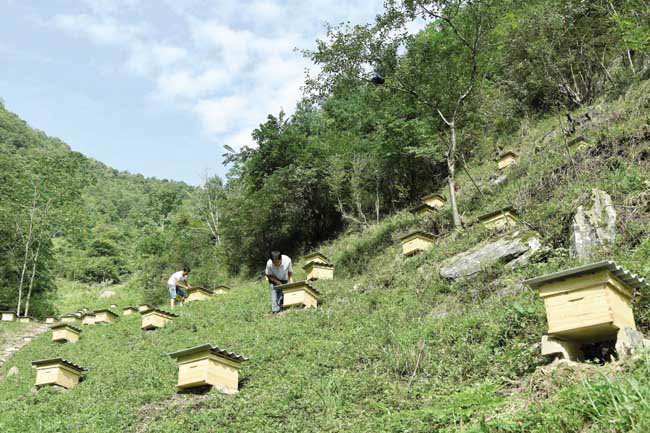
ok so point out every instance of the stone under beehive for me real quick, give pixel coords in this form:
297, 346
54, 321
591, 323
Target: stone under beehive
319, 271
208, 365
25, 319
590, 303
436, 201
506, 159
65, 332
500, 219
57, 371
105, 316
50, 320
69, 318
416, 242
143, 307
300, 293
8, 316
316, 258
127, 311
198, 294
221, 289
154, 318
423, 209
88, 319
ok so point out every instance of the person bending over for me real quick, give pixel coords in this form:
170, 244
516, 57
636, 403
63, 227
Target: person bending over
279, 270
176, 286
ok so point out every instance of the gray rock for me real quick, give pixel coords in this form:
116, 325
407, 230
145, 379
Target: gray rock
107, 294
514, 250
593, 227
627, 340
13, 371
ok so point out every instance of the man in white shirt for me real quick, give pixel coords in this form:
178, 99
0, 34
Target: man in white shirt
279, 270
175, 286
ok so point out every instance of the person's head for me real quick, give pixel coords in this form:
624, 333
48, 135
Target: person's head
186, 270
276, 258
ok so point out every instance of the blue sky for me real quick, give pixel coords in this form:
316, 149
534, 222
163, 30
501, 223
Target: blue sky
158, 86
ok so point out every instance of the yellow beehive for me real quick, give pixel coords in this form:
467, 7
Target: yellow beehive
127, 311
300, 293
50, 320
316, 258
143, 307
8, 316
589, 303
416, 242
88, 319
57, 371
208, 365
105, 316
25, 319
506, 159
436, 201
423, 209
154, 318
198, 294
500, 219
221, 289
69, 318
319, 271
65, 333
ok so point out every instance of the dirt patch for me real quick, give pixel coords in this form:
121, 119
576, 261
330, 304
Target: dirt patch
179, 402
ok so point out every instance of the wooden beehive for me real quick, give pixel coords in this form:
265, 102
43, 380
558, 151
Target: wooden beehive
25, 319
316, 258
500, 219
143, 307
50, 320
88, 319
69, 318
506, 159
57, 371
198, 294
8, 316
423, 209
208, 365
319, 271
589, 303
65, 332
153, 318
221, 289
300, 293
127, 311
105, 316
436, 201
416, 242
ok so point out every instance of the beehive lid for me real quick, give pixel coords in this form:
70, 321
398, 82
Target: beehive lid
309, 266
631, 280
200, 289
69, 316
26, 317
422, 206
432, 196
494, 213
105, 310
130, 307
211, 349
65, 325
54, 361
50, 317
8, 312
417, 233
316, 255
221, 287
159, 311
506, 153
298, 284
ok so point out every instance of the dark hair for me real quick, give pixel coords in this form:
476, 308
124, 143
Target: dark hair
276, 255
186, 269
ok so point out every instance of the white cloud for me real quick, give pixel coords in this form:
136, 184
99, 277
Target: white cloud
145, 58
241, 139
185, 84
222, 115
102, 30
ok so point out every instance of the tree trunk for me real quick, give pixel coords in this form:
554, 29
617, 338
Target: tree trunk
28, 243
451, 165
31, 279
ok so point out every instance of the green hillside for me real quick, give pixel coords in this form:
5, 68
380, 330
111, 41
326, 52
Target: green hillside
393, 346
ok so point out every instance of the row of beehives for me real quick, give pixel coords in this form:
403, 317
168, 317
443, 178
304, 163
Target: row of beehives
204, 365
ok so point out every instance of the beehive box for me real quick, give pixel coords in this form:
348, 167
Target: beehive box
25, 319
500, 219
300, 293
8, 316
127, 311
423, 209
221, 289
65, 332
69, 318
436, 201
208, 365
105, 316
506, 159
316, 258
88, 319
589, 303
319, 271
198, 294
416, 242
143, 307
154, 318
50, 320
57, 371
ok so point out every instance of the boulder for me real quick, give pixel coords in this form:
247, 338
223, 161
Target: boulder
627, 341
555, 347
593, 227
107, 294
13, 371
513, 249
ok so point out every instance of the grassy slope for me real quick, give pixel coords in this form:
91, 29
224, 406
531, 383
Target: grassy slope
394, 347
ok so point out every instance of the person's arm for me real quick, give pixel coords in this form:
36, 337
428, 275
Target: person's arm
290, 274
290, 271
270, 278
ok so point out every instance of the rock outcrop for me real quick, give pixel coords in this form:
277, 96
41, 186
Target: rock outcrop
513, 249
593, 227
